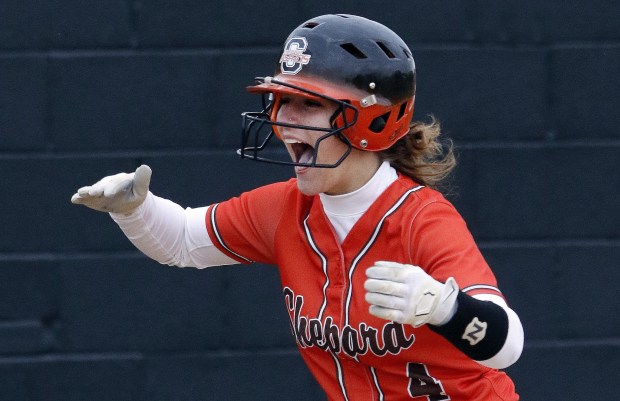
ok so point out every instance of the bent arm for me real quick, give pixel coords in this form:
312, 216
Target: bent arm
484, 328
171, 235
442, 243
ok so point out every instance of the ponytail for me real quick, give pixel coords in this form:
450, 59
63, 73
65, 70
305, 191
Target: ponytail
421, 156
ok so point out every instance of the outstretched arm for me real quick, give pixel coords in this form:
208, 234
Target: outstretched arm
161, 229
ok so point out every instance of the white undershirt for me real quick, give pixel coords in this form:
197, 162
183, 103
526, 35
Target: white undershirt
343, 211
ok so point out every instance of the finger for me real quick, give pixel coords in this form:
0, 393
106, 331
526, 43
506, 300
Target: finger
385, 273
387, 314
386, 287
95, 192
83, 191
77, 199
142, 180
98, 188
96, 203
385, 301
386, 263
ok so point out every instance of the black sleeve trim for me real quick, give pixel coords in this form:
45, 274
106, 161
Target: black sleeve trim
478, 328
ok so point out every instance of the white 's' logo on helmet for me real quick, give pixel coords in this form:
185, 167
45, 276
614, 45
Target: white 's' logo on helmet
293, 57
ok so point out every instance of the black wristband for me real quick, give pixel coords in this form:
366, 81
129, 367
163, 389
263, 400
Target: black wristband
478, 328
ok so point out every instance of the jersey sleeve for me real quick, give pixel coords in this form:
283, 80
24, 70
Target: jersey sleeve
244, 227
441, 243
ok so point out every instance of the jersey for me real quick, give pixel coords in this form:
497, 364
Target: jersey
353, 355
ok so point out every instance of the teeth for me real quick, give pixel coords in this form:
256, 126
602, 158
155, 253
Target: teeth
289, 140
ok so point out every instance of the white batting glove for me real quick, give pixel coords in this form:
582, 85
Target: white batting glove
119, 193
407, 294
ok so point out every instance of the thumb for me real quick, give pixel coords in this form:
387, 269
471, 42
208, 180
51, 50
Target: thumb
141, 181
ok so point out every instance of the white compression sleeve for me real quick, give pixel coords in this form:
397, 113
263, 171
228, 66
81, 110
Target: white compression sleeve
171, 235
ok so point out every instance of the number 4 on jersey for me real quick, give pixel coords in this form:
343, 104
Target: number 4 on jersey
421, 384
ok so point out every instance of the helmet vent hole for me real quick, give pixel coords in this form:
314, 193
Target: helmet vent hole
407, 53
311, 25
386, 50
353, 50
378, 123
401, 110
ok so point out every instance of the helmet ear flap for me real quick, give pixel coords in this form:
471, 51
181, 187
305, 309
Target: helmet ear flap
375, 132
378, 123
390, 118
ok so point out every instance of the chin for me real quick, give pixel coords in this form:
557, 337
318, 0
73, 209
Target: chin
307, 188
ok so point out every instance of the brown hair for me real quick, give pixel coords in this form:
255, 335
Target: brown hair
421, 155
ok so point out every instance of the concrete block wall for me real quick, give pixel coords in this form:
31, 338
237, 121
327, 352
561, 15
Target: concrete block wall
528, 91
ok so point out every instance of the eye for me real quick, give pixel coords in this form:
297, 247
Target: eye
285, 100
312, 103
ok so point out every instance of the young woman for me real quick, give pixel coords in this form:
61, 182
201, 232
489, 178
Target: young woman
388, 295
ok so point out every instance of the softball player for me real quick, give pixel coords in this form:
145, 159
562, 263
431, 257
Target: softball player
388, 295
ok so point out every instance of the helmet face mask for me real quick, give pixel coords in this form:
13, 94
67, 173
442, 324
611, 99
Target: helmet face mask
358, 64
259, 128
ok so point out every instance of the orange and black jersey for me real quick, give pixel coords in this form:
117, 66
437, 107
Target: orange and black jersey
354, 355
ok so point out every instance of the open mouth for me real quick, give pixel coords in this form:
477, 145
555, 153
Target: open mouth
303, 153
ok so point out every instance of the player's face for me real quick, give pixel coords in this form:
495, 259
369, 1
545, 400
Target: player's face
350, 175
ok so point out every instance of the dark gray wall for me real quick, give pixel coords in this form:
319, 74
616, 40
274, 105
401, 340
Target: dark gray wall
528, 90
